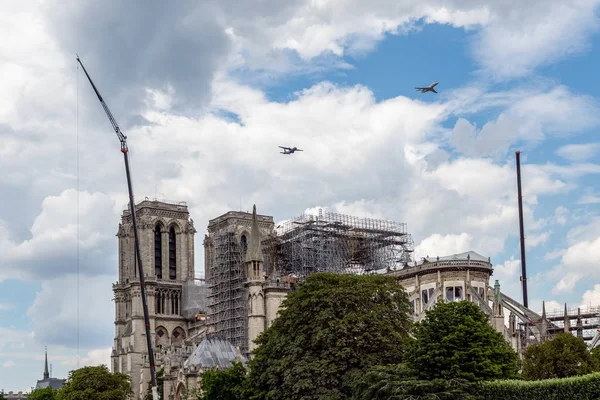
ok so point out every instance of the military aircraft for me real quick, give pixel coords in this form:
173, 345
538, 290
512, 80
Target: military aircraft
289, 150
429, 88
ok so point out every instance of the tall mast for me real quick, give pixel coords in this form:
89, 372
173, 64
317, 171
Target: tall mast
125, 150
521, 231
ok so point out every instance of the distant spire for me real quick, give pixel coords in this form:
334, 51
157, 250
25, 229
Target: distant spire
46, 373
254, 252
543, 310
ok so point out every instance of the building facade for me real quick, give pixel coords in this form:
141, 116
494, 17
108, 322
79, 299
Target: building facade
166, 234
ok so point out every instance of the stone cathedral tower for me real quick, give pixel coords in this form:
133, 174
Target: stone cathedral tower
167, 249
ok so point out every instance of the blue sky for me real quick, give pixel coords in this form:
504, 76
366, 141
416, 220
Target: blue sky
218, 98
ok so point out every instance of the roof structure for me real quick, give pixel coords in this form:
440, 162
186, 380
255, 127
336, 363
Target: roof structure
467, 255
214, 353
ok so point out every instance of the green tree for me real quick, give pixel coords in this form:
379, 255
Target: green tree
563, 356
43, 394
327, 333
398, 382
226, 384
159, 385
455, 340
95, 383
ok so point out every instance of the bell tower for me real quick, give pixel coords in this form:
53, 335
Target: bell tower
166, 234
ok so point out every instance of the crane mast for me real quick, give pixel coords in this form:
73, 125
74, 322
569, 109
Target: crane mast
125, 150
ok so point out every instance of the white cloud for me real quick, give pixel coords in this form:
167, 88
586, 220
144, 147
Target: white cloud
590, 197
6, 306
591, 297
52, 248
579, 152
443, 245
552, 255
567, 283
529, 119
8, 364
54, 311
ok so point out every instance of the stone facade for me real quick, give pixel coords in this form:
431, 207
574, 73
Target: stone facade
166, 235
457, 277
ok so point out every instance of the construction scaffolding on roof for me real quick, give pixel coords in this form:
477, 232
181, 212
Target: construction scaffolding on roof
338, 243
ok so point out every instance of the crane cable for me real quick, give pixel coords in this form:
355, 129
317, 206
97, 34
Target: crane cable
77, 212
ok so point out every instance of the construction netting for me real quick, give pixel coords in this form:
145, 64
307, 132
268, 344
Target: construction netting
193, 296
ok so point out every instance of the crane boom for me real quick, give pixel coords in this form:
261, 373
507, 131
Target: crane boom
125, 150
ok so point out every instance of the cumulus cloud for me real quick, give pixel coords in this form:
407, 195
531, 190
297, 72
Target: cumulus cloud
443, 245
591, 297
579, 152
52, 249
54, 311
529, 119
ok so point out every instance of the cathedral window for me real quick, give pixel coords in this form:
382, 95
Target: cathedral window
172, 255
426, 295
244, 244
454, 293
158, 252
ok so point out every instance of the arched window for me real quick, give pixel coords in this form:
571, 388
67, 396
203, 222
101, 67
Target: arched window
244, 244
157, 252
172, 255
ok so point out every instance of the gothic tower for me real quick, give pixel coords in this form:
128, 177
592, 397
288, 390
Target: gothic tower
225, 250
166, 234
255, 277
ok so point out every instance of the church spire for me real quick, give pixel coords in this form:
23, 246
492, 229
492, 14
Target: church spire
46, 373
254, 252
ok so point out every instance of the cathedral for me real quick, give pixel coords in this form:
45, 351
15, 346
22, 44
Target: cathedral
186, 339
250, 268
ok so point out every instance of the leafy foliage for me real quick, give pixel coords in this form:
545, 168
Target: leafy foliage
327, 333
224, 384
574, 388
398, 382
159, 385
563, 356
43, 394
455, 340
95, 383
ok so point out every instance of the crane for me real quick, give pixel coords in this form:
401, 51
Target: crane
125, 151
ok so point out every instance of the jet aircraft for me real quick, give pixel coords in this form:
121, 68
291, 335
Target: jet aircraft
289, 150
429, 88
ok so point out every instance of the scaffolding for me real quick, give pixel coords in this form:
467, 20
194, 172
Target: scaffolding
338, 243
227, 318
194, 299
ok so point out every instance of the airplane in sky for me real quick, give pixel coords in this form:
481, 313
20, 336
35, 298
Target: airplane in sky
429, 88
289, 150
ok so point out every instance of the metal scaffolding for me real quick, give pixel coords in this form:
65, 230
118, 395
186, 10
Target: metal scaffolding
332, 242
228, 315
305, 245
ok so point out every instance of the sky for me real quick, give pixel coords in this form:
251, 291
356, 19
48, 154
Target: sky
205, 94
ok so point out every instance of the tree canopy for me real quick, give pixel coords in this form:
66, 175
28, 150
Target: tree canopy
398, 382
327, 333
224, 384
455, 340
95, 383
43, 394
563, 356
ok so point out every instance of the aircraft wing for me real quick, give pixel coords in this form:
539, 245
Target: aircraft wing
433, 90
283, 147
299, 150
